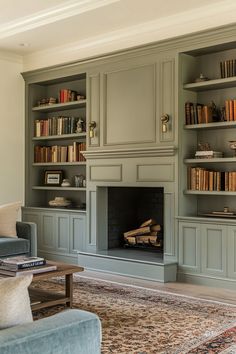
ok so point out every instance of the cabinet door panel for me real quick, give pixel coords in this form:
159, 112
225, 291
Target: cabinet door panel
77, 233
47, 237
214, 240
129, 105
232, 251
62, 232
189, 246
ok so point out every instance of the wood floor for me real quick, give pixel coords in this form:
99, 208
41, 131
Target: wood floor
199, 291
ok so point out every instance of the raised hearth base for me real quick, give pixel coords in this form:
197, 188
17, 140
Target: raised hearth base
135, 263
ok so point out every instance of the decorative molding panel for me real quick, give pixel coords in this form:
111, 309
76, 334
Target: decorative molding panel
126, 153
155, 172
109, 173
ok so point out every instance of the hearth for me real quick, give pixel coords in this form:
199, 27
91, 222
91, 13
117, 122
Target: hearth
128, 209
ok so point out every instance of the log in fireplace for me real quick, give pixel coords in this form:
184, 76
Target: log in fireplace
131, 207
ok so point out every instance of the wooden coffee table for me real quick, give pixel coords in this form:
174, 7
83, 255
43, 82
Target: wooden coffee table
41, 298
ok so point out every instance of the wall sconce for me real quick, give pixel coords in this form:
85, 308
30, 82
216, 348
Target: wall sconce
164, 120
92, 126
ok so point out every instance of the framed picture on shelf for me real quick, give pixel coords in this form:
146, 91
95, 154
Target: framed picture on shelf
53, 178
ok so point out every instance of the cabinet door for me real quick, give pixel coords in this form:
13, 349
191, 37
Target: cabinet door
189, 246
77, 232
232, 251
47, 235
213, 249
62, 232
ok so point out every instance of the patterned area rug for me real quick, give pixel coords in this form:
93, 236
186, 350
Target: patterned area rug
141, 321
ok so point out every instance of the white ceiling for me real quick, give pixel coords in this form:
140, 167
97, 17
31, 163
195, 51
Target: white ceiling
45, 24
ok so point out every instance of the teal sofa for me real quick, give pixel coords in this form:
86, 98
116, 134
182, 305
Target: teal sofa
69, 332
24, 244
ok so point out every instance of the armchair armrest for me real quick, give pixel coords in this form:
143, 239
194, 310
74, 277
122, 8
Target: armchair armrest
68, 332
28, 231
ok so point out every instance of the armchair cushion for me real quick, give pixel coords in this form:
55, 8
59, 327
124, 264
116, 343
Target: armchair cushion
8, 217
10, 246
68, 332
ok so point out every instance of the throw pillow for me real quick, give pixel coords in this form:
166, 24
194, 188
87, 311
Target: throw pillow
14, 301
8, 217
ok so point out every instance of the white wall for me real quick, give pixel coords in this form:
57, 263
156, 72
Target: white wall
12, 129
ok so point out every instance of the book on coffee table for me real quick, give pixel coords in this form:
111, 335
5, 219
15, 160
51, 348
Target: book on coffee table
33, 270
21, 262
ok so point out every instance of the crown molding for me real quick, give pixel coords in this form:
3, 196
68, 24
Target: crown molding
53, 14
168, 28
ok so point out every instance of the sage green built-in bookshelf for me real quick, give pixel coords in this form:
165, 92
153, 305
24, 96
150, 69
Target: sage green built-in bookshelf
37, 193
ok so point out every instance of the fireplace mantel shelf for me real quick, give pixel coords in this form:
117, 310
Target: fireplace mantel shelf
130, 152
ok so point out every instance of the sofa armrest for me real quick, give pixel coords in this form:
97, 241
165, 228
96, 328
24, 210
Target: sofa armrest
28, 231
68, 332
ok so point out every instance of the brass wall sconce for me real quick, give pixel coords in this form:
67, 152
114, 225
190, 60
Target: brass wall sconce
92, 126
164, 120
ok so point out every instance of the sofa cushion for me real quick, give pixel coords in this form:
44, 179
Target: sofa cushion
15, 302
10, 246
8, 217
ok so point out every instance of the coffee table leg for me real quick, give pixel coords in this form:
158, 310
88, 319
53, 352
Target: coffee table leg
69, 289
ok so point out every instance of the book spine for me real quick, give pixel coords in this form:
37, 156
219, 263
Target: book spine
31, 264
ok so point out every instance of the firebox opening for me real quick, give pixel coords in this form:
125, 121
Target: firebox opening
128, 208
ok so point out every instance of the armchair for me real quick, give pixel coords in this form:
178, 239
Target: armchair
25, 243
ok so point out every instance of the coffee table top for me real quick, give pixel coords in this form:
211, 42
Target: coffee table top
62, 269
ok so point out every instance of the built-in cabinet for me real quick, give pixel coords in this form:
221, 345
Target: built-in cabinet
56, 133
137, 134
207, 249
207, 184
60, 234
127, 99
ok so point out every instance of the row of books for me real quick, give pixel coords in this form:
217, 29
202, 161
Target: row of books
20, 265
56, 126
67, 95
230, 110
203, 179
197, 113
228, 68
60, 153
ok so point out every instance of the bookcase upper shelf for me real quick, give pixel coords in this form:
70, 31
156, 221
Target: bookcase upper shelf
60, 106
211, 84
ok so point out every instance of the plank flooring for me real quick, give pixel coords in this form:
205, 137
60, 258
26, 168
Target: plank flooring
199, 291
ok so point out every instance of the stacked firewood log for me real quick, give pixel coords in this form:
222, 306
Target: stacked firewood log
148, 233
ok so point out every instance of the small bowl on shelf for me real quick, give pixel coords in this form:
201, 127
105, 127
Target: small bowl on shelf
232, 145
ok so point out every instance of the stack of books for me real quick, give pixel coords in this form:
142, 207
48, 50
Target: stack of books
204, 154
20, 265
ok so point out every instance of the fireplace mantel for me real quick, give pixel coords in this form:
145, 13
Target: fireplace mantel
156, 151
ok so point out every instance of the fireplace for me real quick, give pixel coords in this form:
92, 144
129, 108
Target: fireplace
128, 208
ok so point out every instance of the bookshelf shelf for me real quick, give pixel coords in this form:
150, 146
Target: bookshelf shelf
211, 160
59, 163
60, 137
211, 84
214, 125
220, 193
57, 107
77, 189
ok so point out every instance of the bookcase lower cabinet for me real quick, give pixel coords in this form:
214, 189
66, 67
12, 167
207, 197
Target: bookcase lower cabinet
60, 234
207, 251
